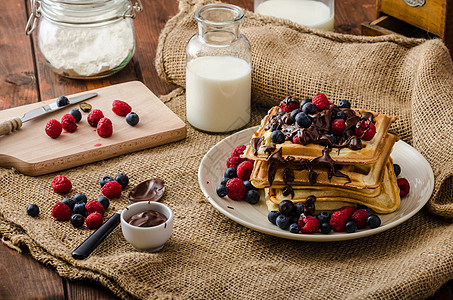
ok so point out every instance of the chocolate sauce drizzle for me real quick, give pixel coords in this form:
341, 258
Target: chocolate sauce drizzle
290, 164
321, 124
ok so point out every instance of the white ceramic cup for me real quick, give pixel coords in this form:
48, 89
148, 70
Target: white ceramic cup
149, 239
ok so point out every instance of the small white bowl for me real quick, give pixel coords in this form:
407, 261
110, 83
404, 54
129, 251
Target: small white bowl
149, 239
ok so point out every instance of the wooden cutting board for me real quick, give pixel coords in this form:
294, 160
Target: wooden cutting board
31, 151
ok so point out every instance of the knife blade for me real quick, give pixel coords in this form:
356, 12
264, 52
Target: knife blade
15, 123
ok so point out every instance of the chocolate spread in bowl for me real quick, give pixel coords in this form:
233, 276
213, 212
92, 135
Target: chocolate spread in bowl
149, 218
149, 190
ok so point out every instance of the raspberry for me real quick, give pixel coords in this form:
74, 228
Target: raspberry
359, 217
308, 224
53, 128
404, 186
121, 108
105, 128
111, 189
366, 130
338, 220
244, 170
61, 211
296, 139
68, 123
61, 184
289, 104
94, 220
321, 102
94, 116
234, 161
349, 211
238, 150
94, 205
338, 126
236, 189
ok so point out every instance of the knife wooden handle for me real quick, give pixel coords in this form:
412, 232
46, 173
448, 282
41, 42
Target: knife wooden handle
10, 126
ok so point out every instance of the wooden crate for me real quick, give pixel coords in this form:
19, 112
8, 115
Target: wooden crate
413, 18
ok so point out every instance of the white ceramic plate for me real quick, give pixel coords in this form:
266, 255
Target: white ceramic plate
414, 167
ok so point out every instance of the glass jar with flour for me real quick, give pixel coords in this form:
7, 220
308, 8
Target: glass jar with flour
84, 39
218, 70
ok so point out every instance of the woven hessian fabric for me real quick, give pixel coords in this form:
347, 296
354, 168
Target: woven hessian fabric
212, 257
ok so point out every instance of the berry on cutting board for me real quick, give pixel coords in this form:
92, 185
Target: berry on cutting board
132, 119
53, 128
121, 108
104, 128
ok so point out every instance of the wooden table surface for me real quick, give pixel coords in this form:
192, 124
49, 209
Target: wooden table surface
25, 79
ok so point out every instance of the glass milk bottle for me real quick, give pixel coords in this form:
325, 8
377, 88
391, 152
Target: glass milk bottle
218, 70
317, 14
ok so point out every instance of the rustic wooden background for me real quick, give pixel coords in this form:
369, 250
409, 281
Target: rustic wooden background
24, 79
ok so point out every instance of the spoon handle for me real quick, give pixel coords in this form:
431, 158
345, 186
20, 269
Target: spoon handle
85, 249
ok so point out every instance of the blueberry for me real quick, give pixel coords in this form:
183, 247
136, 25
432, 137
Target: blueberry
76, 114
351, 227
299, 207
33, 210
323, 217
302, 103
252, 196
361, 206
344, 104
62, 101
286, 207
85, 107
80, 197
294, 113
224, 180
326, 228
230, 173
309, 108
303, 120
331, 137
79, 208
122, 179
69, 202
132, 119
272, 216
283, 221
277, 137
397, 169
248, 185
373, 221
339, 115
274, 127
222, 190
77, 220
294, 228
294, 219
105, 179
104, 201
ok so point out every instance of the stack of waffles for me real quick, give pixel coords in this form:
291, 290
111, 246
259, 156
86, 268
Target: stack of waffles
339, 168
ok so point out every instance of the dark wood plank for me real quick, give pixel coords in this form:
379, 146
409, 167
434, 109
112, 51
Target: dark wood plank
148, 25
88, 291
17, 74
22, 277
350, 14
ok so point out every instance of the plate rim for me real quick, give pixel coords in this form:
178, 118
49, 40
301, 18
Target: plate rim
332, 237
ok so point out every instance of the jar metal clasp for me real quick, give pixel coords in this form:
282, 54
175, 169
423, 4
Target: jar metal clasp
35, 7
131, 12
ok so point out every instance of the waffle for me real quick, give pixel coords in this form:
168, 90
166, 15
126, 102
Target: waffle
361, 176
383, 199
370, 152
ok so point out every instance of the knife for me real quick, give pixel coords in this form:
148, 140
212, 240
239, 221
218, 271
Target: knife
16, 123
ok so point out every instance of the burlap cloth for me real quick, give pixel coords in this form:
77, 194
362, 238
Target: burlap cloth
211, 257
